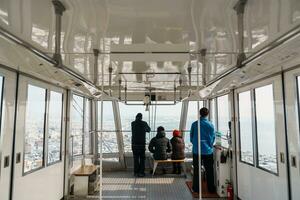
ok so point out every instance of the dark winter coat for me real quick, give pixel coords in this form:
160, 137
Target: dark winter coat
177, 148
160, 146
139, 129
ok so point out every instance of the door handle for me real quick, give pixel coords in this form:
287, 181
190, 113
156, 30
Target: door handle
282, 157
18, 157
294, 161
6, 161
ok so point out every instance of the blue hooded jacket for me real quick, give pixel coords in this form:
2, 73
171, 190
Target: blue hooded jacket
207, 136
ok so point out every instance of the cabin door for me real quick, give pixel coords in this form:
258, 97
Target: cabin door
261, 146
292, 91
7, 111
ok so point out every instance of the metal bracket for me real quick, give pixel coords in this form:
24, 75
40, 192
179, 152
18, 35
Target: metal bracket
239, 7
58, 7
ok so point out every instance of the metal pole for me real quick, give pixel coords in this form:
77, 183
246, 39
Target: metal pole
59, 9
199, 134
101, 132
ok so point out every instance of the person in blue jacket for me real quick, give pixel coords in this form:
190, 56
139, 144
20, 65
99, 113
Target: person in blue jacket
207, 141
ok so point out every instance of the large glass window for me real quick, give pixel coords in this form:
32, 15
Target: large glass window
128, 113
77, 124
223, 119
167, 116
55, 127
212, 111
192, 116
109, 137
265, 128
88, 127
34, 128
245, 127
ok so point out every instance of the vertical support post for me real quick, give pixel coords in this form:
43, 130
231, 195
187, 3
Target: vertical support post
67, 153
240, 9
59, 9
234, 125
101, 133
96, 68
183, 116
95, 128
199, 132
118, 127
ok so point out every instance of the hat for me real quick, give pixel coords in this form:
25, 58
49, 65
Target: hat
176, 133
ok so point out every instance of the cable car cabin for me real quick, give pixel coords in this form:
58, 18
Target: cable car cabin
74, 74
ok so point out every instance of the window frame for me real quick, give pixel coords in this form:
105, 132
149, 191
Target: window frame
48, 87
83, 125
217, 115
90, 125
42, 86
253, 132
62, 125
256, 133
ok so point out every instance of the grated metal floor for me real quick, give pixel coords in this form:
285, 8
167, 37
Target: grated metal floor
122, 185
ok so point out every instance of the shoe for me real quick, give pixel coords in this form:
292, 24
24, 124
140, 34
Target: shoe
141, 175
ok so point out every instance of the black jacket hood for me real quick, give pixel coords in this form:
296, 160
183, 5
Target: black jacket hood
160, 134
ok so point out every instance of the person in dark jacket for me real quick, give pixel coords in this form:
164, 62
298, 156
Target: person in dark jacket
160, 145
138, 144
177, 150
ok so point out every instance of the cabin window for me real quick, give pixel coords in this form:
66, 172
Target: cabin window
223, 120
109, 135
77, 125
128, 113
212, 111
167, 116
265, 128
55, 127
192, 115
88, 127
34, 128
245, 127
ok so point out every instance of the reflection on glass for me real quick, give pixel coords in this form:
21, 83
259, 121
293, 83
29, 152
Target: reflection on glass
40, 36
192, 115
79, 43
295, 8
88, 127
223, 119
4, 5
109, 142
55, 127
79, 63
34, 128
265, 128
259, 36
128, 113
245, 124
77, 124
